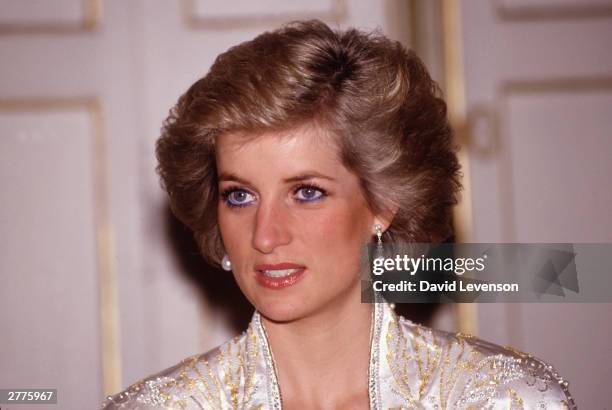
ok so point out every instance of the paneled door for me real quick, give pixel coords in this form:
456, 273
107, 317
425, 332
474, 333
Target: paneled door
539, 102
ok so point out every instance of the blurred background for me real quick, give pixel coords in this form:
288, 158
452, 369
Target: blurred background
101, 286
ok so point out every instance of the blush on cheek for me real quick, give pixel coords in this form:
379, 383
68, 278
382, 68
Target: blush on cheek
335, 243
334, 227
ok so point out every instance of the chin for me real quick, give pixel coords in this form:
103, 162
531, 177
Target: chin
280, 310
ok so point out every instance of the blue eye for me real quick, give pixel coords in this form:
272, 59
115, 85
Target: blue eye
309, 193
234, 197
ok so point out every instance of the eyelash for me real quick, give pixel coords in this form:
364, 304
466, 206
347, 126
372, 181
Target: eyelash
310, 186
227, 192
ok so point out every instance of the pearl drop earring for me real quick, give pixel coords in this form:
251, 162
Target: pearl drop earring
226, 264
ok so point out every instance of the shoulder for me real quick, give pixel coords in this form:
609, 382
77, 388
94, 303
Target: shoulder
473, 372
196, 382
168, 389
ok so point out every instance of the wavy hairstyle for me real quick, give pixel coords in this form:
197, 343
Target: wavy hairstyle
372, 95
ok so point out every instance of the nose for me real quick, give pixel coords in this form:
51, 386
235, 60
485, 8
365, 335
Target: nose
272, 227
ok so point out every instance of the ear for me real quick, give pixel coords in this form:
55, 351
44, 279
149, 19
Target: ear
385, 217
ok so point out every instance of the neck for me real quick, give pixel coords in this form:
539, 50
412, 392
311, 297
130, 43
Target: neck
329, 348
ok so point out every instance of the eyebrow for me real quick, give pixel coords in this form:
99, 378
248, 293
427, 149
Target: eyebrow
297, 178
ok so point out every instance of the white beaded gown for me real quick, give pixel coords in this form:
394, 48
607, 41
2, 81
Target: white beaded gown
411, 367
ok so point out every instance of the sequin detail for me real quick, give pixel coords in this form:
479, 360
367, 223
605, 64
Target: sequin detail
410, 367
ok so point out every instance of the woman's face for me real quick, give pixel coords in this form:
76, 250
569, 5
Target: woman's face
293, 221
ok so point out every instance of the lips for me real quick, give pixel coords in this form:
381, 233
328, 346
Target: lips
279, 275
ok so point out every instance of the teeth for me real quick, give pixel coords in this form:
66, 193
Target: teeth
278, 273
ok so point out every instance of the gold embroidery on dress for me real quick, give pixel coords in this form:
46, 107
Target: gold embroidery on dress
399, 358
517, 352
235, 371
236, 360
516, 402
398, 353
462, 335
427, 367
432, 357
450, 369
212, 393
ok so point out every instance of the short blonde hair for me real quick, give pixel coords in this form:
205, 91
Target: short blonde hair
373, 95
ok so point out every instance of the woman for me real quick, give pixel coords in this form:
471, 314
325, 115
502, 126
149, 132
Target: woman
295, 150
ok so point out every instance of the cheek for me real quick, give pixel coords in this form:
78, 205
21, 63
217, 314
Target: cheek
233, 228
338, 230
224, 225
